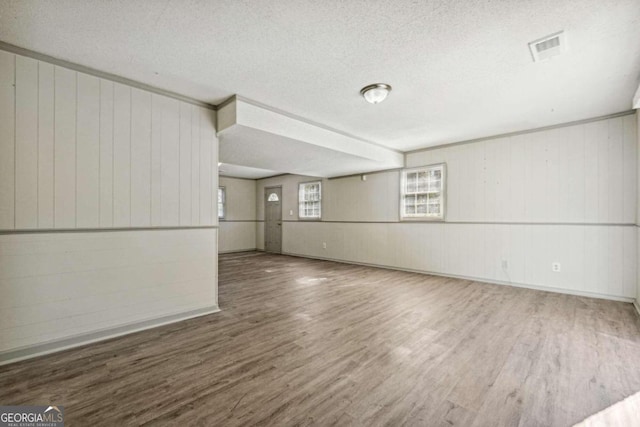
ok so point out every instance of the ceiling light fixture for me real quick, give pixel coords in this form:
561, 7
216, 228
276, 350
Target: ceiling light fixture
375, 93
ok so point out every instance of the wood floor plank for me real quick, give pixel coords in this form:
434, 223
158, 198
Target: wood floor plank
310, 342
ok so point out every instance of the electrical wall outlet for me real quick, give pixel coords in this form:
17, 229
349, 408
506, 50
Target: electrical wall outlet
290, 212
324, 245
505, 264
556, 267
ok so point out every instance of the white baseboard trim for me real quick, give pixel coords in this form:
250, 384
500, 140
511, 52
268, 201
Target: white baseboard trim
40, 349
234, 251
637, 306
479, 279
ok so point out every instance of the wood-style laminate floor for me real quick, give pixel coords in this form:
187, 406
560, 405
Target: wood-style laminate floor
307, 342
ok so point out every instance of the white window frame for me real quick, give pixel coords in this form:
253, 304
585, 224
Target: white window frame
443, 194
224, 203
301, 210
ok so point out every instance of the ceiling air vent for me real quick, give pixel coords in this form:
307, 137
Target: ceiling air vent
548, 47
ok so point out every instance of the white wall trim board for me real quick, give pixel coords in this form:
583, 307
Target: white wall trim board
477, 279
593, 224
273, 176
238, 251
101, 74
256, 179
92, 230
521, 132
236, 177
237, 220
29, 352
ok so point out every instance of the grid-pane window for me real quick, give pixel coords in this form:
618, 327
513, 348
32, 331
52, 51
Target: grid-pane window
422, 193
221, 202
310, 200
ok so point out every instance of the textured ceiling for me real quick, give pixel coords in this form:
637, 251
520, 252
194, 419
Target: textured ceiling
460, 69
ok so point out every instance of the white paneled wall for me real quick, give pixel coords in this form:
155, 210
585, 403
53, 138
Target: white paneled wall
7, 140
352, 199
236, 236
60, 285
564, 195
238, 228
596, 260
581, 173
79, 151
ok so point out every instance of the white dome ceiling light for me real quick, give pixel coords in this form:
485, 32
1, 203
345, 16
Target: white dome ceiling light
376, 93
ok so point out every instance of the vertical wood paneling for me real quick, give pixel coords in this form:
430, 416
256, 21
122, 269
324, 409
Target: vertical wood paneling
453, 187
462, 160
502, 182
490, 185
65, 284
629, 181
88, 152
571, 182
600, 134
596, 260
457, 212
551, 176
185, 164
93, 153
26, 154
615, 170
629, 263
156, 159
611, 252
237, 236
517, 206
195, 165
65, 148
46, 128
536, 179
206, 175
562, 175
7, 140
170, 162
106, 153
122, 156
477, 178
591, 167
579, 173
140, 158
